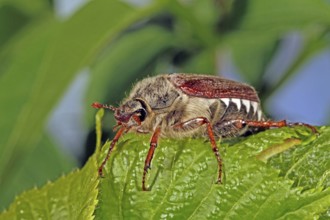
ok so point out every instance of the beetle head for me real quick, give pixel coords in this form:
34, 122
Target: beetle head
131, 113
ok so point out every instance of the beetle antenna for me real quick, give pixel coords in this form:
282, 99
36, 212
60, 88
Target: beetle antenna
99, 105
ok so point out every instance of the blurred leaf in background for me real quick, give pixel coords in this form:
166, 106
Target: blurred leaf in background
119, 43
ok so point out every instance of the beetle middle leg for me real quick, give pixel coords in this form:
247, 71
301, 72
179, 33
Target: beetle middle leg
196, 123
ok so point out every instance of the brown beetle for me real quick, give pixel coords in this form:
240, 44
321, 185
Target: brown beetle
185, 105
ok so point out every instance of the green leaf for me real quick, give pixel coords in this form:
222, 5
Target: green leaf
182, 182
299, 164
203, 62
17, 131
70, 197
281, 16
183, 175
33, 8
192, 30
8, 30
45, 162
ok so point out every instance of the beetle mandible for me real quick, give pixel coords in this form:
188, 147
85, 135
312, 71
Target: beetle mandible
183, 105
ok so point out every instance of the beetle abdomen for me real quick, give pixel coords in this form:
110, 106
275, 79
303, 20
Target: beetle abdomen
235, 109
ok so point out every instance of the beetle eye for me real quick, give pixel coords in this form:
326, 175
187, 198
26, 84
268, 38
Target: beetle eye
142, 114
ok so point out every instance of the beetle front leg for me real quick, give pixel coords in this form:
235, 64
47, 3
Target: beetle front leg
153, 145
196, 123
112, 145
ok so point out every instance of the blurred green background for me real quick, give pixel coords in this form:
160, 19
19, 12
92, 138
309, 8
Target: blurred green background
55, 60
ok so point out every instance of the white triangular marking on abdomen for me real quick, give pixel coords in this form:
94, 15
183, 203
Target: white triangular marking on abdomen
247, 104
259, 114
226, 101
237, 102
255, 106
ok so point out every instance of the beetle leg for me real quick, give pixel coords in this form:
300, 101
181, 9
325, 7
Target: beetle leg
277, 124
153, 145
305, 125
196, 123
112, 145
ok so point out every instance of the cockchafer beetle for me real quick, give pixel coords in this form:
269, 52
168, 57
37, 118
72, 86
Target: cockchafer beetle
184, 105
